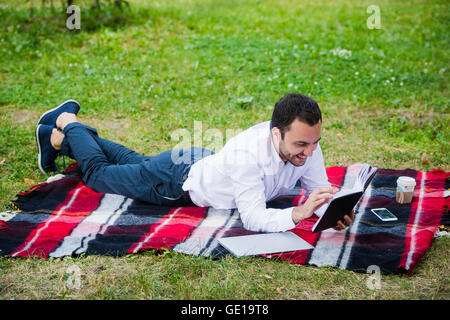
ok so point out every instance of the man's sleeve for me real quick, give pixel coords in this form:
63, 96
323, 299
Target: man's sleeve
316, 177
249, 194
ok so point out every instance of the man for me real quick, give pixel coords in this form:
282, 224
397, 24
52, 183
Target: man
253, 167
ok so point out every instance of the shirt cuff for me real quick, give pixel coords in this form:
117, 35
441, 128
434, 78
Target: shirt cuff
286, 222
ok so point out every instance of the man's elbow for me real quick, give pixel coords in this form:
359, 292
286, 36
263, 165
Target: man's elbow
251, 223
256, 224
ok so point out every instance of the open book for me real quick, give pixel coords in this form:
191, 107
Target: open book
345, 200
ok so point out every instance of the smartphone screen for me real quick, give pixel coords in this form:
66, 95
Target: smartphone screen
384, 214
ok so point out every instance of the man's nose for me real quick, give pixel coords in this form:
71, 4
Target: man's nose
309, 151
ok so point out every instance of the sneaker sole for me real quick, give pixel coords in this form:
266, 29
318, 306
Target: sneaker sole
47, 112
36, 135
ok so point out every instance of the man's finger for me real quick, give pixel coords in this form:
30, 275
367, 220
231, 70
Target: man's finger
352, 214
325, 190
348, 220
321, 201
319, 197
323, 196
340, 225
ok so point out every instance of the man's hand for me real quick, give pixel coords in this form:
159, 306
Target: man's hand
348, 219
316, 199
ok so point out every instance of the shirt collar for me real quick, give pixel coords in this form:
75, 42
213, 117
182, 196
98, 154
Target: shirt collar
275, 156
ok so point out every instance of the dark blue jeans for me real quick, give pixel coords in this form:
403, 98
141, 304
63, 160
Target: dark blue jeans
109, 167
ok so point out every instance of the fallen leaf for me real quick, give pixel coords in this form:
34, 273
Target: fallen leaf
425, 159
29, 181
279, 289
340, 135
246, 99
100, 267
2, 161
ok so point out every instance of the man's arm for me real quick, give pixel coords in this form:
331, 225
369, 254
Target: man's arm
249, 195
315, 182
247, 184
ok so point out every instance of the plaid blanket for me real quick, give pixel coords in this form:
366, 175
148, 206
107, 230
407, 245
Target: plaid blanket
65, 217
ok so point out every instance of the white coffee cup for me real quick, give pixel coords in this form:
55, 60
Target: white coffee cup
405, 189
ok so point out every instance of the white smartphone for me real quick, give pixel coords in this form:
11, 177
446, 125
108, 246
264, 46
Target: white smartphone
384, 214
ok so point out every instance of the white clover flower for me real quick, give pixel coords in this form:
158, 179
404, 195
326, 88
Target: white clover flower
356, 73
342, 53
290, 85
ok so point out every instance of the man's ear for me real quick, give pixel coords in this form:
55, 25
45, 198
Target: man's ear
277, 133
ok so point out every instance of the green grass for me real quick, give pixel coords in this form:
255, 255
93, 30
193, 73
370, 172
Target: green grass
159, 66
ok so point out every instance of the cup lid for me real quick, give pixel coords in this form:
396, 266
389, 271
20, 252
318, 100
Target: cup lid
406, 180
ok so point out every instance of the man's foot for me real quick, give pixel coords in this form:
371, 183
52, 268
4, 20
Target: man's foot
64, 119
56, 139
49, 117
47, 154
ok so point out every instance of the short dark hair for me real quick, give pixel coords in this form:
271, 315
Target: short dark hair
294, 106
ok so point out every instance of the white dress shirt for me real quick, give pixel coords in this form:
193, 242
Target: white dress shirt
247, 173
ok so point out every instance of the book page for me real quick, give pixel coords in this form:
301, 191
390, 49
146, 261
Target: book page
364, 174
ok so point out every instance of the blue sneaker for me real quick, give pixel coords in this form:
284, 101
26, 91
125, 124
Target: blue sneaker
49, 117
46, 153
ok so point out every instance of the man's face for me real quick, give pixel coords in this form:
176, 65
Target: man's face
300, 140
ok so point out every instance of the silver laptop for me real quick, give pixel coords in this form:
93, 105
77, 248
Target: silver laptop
264, 243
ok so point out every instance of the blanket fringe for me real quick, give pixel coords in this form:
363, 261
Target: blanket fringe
13, 205
442, 232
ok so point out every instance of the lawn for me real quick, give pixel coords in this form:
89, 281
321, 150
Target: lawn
143, 72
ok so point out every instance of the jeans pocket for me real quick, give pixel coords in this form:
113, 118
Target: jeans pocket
164, 196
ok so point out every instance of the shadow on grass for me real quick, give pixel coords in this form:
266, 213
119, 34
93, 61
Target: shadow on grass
50, 21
